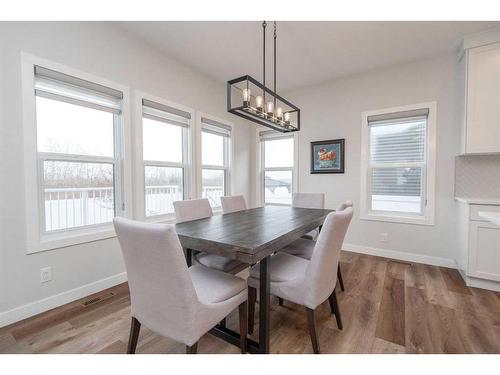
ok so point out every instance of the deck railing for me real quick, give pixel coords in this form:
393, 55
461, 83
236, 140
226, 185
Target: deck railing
75, 207
213, 193
160, 199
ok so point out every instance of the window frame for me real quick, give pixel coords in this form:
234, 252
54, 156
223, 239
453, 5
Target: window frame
228, 156
37, 238
428, 170
187, 156
261, 189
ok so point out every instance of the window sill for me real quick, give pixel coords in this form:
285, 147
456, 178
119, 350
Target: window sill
401, 219
278, 204
54, 241
170, 218
161, 219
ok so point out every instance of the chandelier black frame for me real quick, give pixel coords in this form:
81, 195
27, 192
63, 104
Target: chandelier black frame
264, 110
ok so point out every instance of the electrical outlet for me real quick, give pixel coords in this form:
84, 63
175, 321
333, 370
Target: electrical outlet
384, 237
45, 275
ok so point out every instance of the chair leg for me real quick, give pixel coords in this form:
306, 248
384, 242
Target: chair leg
193, 349
189, 257
280, 301
243, 315
339, 277
135, 327
312, 330
252, 297
334, 306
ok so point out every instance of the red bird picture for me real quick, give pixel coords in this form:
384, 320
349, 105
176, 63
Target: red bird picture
326, 155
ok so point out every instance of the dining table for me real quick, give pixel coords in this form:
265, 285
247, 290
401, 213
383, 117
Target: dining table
250, 236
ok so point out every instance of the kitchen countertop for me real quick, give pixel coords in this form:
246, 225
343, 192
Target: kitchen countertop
490, 201
493, 217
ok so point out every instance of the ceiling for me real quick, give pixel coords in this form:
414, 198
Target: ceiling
308, 52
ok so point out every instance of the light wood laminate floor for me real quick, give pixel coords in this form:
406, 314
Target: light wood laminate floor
388, 307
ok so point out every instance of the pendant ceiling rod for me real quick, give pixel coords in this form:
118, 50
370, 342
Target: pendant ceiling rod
274, 63
264, 24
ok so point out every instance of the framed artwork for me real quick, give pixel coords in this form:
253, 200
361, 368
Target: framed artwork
328, 156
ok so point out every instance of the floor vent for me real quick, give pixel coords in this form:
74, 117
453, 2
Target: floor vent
100, 298
91, 301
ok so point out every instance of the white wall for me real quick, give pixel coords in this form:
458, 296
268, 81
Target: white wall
333, 110
102, 50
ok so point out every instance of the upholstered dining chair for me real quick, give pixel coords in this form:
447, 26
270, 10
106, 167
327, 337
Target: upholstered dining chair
199, 209
307, 282
233, 203
168, 297
344, 205
303, 247
309, 200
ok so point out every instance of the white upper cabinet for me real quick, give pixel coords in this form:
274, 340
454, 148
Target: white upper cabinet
482, 115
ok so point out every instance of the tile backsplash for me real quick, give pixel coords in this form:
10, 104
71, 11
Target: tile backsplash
477, 176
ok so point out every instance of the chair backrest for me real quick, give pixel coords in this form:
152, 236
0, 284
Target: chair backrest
192, 210
308, 200
321, 273
233, 203
344, 205
162, 293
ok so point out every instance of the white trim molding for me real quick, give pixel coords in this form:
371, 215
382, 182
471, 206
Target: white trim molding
139, 163
36, 239
430, 169
400, 255
477, 282
25, 311
259, 164
481, 38
228, 153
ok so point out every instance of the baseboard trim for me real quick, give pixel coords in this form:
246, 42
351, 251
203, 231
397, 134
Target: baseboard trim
460, 271
476, 282
37, 307
400, 255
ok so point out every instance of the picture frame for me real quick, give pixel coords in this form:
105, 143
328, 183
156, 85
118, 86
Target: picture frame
328, 156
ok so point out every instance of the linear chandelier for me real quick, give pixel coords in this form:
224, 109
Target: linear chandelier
254, 101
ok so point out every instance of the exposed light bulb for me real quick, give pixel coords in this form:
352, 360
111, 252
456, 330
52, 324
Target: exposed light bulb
286, 117
259, 102
270, 108
246, 97
279, 113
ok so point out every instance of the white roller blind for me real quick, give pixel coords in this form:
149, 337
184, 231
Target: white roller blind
397, 181
397, 162
267, 135
58, 86
398, 141
215, 127
160, 112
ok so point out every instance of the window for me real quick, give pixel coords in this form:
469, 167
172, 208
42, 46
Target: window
165, 155
215, 138
78, 126
399, 165
277, 156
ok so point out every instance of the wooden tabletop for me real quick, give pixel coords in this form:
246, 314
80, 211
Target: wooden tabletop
250, 235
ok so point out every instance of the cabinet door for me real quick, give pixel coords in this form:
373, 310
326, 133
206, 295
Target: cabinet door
483, 100
484, 250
